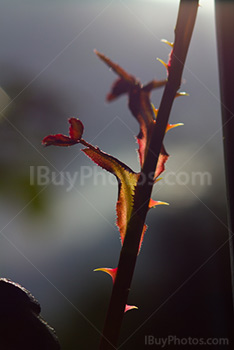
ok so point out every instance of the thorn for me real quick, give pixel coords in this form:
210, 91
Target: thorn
171, 126
158, 179
130, 307
178, 94
155, 110
167, 42
109, 271
165, 65
153, 203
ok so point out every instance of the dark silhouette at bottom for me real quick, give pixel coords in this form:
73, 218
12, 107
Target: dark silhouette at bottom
21, 326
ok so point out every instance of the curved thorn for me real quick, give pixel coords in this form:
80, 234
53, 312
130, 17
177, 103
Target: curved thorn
157, 179
130, 307
167, 42
109, 271
165, 65
155, 110
171, 126
178, 94
153, 203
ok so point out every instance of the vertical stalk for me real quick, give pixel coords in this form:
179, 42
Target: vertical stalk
224, 11
183, 32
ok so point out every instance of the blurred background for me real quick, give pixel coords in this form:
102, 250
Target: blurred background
53, 234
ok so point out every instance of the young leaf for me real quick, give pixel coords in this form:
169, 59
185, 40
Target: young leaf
76, 129
58, 140
138, 101
163, 157
75, 133
119, 87
116, 68
127, 182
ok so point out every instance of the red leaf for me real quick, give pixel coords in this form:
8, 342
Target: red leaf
76, 129
127, 182
58, 140
116, 68
140, 106
119, 87
139, 101
163, 156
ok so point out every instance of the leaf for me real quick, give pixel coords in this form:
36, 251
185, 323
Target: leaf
140, 106
154, 84
116, 68
127, 182
138, 102
76, 129
75, 133
58, 140
163, 157
119, 87
142, 236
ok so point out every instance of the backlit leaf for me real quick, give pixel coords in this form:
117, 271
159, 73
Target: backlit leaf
58, 140
127, 180
138, 102
163, 157
119, 87
75, 131
116, 68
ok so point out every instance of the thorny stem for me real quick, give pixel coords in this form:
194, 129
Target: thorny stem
225, 28
183, 32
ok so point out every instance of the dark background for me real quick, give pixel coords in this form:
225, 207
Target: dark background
51, 237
